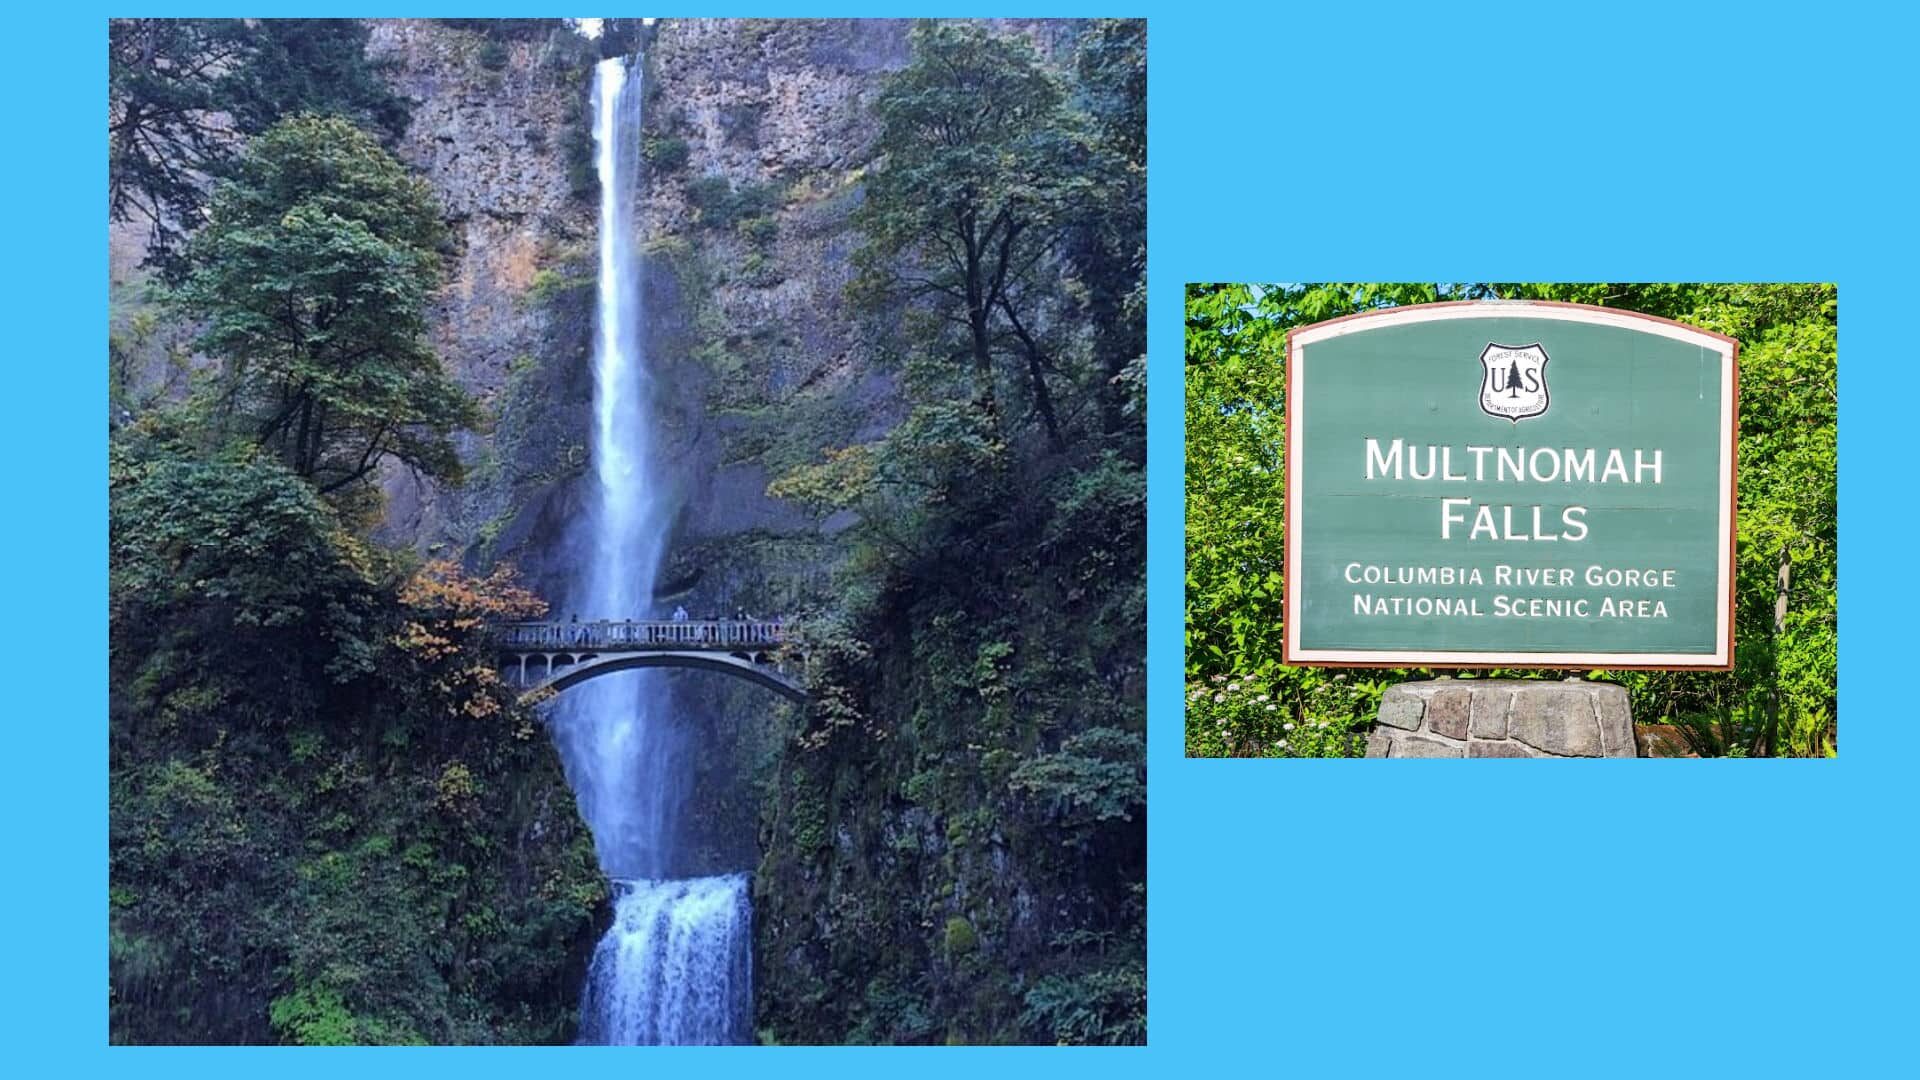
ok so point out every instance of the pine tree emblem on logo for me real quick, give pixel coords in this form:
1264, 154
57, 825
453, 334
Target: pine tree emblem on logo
1513, 385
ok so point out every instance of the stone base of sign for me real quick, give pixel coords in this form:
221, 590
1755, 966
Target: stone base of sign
1506, 718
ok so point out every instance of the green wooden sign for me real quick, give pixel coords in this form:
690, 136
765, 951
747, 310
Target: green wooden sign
1510, 484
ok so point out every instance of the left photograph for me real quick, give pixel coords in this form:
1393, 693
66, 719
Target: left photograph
627, 531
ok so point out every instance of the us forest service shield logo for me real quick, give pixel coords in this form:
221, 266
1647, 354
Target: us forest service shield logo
1513, 381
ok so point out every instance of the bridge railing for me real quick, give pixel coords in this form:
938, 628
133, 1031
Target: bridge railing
606, 634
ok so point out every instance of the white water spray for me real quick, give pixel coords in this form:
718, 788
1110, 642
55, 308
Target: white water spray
672, 969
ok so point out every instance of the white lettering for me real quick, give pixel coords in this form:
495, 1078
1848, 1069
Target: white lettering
1483, 520
1640, 467
1515, 462
1389, 462
1574, 517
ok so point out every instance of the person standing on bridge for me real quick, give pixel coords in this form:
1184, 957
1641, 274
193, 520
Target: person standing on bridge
679, 613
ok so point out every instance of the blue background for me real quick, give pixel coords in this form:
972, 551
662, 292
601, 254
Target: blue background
1717, 917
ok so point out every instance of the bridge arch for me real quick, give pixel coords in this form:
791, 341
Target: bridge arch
555, 656
756, 669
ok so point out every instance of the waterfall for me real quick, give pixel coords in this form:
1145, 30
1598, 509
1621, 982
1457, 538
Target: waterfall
673, 966
674, 969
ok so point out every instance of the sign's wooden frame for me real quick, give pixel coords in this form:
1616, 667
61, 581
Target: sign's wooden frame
1300, 337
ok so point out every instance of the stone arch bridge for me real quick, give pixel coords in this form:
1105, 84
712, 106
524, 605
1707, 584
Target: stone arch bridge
541, 656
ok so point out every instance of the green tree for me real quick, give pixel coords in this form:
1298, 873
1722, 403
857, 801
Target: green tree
318, 66
184, 94
977, 679
229, 563
979, 156
1109, 245
312, 276
163, 134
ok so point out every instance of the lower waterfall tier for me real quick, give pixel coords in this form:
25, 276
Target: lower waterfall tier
675, 968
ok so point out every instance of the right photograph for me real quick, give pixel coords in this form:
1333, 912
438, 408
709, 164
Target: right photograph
1512, 520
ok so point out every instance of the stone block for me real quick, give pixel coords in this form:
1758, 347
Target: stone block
1401, 708
1496, 748
1557, 719
1543, 718
1422, 746
1447, 712
1610, 708
1490, 708
1379, 743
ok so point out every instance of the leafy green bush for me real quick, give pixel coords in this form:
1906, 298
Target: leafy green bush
1241, 716
720, 205
760, 230
1098, 1007
666, 153
319, 784
960, 938
549, 286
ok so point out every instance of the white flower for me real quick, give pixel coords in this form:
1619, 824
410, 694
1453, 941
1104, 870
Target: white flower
1262, 697
1286, 727
1270, 708
1233, 686
1219, 697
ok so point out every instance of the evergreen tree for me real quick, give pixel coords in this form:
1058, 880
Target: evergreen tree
979, 168
184, 94
312, 276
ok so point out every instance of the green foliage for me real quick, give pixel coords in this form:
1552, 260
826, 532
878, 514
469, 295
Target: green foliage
1095, 776
664, 153
331, 822
958, 831
760, 231
1110, 245
315, 66
1236, 393
237, 561
1781, 697
1099, 1006
981, 172
1240, 716
183, 94
312, 276
989, 662
549, 286
316, 1016
720, 205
